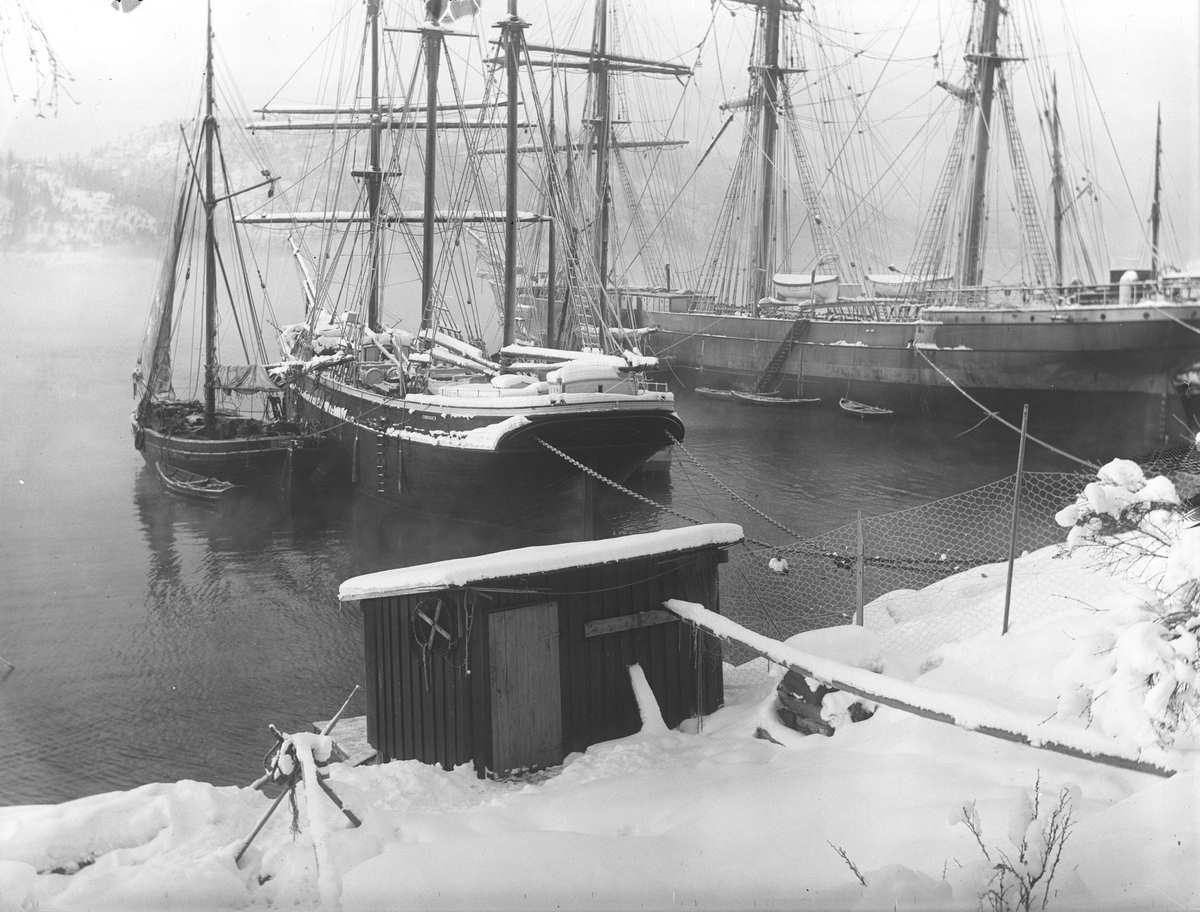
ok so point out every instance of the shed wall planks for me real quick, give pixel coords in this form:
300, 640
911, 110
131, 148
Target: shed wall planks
443, 708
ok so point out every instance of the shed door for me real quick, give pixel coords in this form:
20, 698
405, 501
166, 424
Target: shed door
526, 688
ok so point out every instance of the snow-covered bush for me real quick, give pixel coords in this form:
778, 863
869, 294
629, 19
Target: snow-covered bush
1037, 831
1119, 500
1138, 676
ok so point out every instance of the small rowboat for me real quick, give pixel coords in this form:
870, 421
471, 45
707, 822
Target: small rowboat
862, 410
709, 393
770, 399
198, 487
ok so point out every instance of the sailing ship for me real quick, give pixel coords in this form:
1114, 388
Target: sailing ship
430, 418
239, 432
934, 337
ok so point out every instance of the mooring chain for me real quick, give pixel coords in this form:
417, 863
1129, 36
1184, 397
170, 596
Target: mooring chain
1008, 424
745, 503
611, 483
635, 494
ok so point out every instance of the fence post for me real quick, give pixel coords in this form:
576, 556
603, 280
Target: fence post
1012, 541
859, 570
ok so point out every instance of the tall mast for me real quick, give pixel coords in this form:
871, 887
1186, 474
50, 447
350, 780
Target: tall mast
210, 241
432, 34
985, 82
602, 124
1155, 210
512, 27
1056, 183
770, 75
373, 175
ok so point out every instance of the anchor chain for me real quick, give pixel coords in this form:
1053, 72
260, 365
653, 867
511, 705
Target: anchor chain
646, 500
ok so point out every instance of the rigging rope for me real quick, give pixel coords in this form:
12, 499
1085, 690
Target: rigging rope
1005, 422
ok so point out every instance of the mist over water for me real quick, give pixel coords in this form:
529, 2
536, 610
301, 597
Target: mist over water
154, 639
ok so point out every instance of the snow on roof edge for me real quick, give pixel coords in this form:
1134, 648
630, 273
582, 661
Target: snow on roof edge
538, 559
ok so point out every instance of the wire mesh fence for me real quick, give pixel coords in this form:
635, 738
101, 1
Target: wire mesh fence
883, 562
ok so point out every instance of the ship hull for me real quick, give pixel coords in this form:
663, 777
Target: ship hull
260, 462
430, 453
1107, 364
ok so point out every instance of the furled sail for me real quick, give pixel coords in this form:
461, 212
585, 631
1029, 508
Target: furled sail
245, 378
152, 375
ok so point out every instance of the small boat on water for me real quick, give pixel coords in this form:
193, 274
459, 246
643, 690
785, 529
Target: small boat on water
862, 410
770, 399
709, 393
198, 487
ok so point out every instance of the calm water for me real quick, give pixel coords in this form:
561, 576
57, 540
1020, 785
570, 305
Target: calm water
154, 639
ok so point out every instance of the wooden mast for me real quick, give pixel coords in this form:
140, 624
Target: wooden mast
210, 242
373, 175
432, 34
1056, 184
511, 27
602, 126
1155, 207
770, 75
986, 61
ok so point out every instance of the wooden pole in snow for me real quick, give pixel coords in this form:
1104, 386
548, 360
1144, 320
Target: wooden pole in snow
1012, 541
859, 570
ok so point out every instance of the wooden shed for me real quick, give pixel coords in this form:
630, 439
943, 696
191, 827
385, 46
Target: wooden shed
515, 660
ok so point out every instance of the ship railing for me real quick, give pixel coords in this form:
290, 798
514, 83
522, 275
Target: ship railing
653, 386
1076, 294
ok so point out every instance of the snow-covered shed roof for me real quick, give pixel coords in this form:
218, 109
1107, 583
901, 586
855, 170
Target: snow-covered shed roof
540, 559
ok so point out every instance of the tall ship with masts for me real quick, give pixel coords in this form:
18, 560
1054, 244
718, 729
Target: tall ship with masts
835, 322
234, 429
428, 416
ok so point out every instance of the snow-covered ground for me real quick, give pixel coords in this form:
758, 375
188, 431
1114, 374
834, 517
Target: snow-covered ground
897, 811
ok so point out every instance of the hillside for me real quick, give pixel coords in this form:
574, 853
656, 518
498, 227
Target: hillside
116, 194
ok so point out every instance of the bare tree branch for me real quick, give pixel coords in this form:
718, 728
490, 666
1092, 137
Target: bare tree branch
26, 52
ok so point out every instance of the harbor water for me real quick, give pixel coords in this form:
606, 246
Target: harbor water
145, 638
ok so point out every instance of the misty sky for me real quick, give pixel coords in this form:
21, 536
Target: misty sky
132, 70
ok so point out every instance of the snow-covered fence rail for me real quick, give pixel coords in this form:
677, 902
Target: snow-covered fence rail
971, 713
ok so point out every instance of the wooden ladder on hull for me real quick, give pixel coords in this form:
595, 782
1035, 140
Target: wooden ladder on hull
768, 379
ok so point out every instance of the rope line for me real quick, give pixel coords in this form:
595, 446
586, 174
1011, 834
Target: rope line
1005, 422
1183, 323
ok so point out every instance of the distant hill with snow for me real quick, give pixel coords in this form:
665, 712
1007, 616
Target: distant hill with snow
117, 194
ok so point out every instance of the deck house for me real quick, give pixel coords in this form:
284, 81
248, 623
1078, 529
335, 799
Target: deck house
515, 660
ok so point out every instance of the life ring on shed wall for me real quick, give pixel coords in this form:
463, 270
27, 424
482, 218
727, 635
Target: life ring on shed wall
434, 626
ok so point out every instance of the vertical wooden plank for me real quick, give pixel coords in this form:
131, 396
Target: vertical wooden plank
371, 671
424, 704
566, 670
576, 733
384, 614
482, 749
600, 683
410, 684
549, 747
